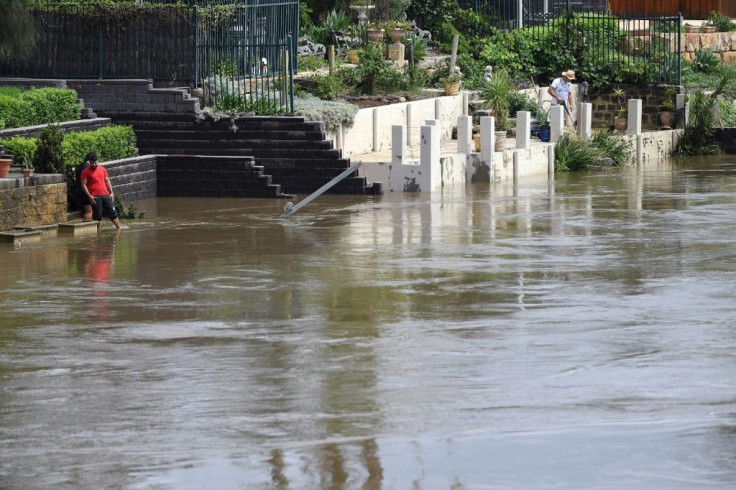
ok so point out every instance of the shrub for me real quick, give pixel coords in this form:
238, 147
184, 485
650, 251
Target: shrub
20, 147
327, 87
49, 157
697, 139
608, 145
331, 112
722, 22
574, 153
38, 106
705, 61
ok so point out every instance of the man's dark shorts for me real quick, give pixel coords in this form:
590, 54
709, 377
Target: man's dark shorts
103, 207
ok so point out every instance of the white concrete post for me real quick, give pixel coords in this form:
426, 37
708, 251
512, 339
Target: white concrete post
435, 122
681, 107
398, 144
551, 162
487, 140
585, 120
516, 167
523, 130
634, 123
464, 134
466, 102
556, 123
409, 125
429, 157
520, 14
437, 109
339, 138
376, 126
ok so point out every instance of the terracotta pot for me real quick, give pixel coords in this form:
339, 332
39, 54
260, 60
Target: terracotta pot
452, 88
620, 123
667, 119
374, 35
708, 29
5, 167
500, 141
692, 29
27, 172
397, 34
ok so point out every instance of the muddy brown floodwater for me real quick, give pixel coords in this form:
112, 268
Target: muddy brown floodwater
575, 335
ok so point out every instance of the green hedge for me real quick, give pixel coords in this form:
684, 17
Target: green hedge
20, 108
110, 143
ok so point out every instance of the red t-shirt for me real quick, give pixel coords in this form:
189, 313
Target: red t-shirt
95, 180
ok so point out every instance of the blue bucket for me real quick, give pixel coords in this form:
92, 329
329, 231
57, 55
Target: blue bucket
544, 134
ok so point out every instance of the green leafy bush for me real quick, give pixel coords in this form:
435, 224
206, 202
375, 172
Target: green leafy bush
21, 108
327, 87
727, 112
722, 22
48, 157
611, 146
110, 143
261, 106
698, 137
574, 153
705, 61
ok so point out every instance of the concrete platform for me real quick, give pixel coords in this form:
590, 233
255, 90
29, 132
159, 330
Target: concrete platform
47, 230
20, 237
78, 228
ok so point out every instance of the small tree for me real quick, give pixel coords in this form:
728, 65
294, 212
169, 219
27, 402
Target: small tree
48, 157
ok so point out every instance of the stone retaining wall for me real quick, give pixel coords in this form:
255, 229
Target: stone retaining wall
80, 125
33, 205
606, 105
722, 44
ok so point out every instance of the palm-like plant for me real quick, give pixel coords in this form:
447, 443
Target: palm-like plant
496, 96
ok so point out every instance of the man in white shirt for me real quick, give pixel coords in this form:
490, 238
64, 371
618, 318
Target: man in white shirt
561, 90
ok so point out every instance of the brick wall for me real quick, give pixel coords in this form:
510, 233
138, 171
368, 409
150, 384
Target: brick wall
605, 105
33, 205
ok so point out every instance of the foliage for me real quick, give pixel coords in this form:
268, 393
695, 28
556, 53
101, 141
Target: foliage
46, 105
727, 113
698, 137
397, 9
620, 96
110, 143
668, 104
327, 87
519, 101
305, 19
311, 63
721, 22
574, 153
496, 95
224, 67
49, 158
127, 212
434, 13
609, 145
17, 29
332, 112
262, 106
705, 61
20, 147
419, 46
371, 67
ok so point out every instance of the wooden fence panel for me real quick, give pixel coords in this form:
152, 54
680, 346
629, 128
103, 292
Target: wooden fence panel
691, 9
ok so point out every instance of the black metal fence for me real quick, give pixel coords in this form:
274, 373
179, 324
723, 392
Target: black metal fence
230, 48
592, 35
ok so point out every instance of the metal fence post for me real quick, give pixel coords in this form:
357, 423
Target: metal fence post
679, 48
196, 46
100, 51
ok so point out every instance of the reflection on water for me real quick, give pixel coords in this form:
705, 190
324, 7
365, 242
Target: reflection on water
578, 334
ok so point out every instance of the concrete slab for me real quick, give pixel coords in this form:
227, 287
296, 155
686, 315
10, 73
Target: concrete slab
47, 231
78, 228
20, 237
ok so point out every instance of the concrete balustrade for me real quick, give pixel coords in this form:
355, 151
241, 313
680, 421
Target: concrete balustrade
634, 121
523, 130
556, 123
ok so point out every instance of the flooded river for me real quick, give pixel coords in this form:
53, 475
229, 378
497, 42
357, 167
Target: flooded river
574, 335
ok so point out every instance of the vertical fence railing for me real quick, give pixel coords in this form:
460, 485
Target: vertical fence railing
174, 41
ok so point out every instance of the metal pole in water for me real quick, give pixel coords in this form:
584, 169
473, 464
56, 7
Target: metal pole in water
289, 210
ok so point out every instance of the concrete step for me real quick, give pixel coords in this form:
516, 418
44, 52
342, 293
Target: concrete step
78, 228
20, 237
47, 231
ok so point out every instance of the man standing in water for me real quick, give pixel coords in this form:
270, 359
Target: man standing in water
98, 189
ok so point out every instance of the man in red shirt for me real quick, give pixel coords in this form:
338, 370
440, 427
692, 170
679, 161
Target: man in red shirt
98, 189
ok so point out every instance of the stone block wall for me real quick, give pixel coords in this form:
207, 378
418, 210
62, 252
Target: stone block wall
37, 205
80, 125
116, 98
133, 179
722, 44
606, 105
213, 176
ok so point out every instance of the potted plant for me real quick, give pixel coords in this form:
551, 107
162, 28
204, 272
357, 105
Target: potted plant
397, 30
708, 27
690, 29
5, 161
621, 118
667, 109
451, 83
496, 96
374, 33
27, 167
